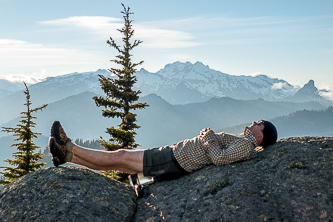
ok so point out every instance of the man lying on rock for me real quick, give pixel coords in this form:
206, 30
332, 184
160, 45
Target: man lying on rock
171, 161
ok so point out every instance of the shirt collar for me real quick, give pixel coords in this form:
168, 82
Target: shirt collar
248, 134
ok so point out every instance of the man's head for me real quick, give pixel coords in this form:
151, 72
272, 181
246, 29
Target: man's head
265, 132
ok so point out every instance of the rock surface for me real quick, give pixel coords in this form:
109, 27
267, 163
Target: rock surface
289, 181
66, 194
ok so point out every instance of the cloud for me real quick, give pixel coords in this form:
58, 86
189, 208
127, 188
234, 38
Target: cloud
22, 78
107, 26
230, 30
18, 56
162, 38
92, 22
326, 91
327, 94
256, 74
209, 30
285, 87
280, 85
17, 50
99, 25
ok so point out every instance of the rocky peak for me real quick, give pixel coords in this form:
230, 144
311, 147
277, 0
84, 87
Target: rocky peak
289, 181
310, 87
310, 84
180, 69
307, 92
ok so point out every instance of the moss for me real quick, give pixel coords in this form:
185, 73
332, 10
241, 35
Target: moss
296, 165
231, 207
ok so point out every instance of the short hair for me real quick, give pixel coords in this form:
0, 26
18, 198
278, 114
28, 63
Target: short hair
270, 133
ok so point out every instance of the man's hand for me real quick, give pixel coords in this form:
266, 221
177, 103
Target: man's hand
203, 132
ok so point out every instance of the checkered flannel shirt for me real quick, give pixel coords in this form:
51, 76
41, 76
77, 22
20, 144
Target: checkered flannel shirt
215, 148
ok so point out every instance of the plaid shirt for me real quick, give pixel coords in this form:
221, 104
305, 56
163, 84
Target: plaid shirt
214, 148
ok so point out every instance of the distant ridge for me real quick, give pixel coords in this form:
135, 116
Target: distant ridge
177, 83
299, 123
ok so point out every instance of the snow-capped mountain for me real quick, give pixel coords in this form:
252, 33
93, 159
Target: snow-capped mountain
176, 83
180, 83
8, 87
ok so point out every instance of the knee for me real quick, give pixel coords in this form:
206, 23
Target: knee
122, 154
129, 155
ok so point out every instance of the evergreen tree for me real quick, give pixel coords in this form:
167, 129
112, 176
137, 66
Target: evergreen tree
26, 161
94, 144
47, 158
120, 97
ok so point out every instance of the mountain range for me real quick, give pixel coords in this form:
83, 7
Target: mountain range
183, 99
177, 83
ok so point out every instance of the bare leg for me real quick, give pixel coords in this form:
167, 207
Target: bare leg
79, 161
129, 161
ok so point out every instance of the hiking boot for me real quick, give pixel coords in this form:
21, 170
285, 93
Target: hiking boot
58, 133
58, 152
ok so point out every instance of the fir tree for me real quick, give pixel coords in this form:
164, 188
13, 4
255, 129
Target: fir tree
94, 144
26, 161
120, 97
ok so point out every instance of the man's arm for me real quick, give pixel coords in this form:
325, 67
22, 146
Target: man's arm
239, 149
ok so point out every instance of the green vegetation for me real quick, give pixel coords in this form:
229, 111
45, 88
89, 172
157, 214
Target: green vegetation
120, 98
94, 144
26, 161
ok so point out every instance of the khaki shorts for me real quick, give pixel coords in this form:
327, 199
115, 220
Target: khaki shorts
161, 163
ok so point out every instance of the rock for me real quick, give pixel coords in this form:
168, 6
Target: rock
289, 181
66, 194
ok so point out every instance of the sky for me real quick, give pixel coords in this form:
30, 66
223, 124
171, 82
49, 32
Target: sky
289, 40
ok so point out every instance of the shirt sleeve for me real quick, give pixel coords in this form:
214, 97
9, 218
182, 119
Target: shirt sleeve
238, 150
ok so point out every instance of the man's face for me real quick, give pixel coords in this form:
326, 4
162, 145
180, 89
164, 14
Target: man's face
257, 128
